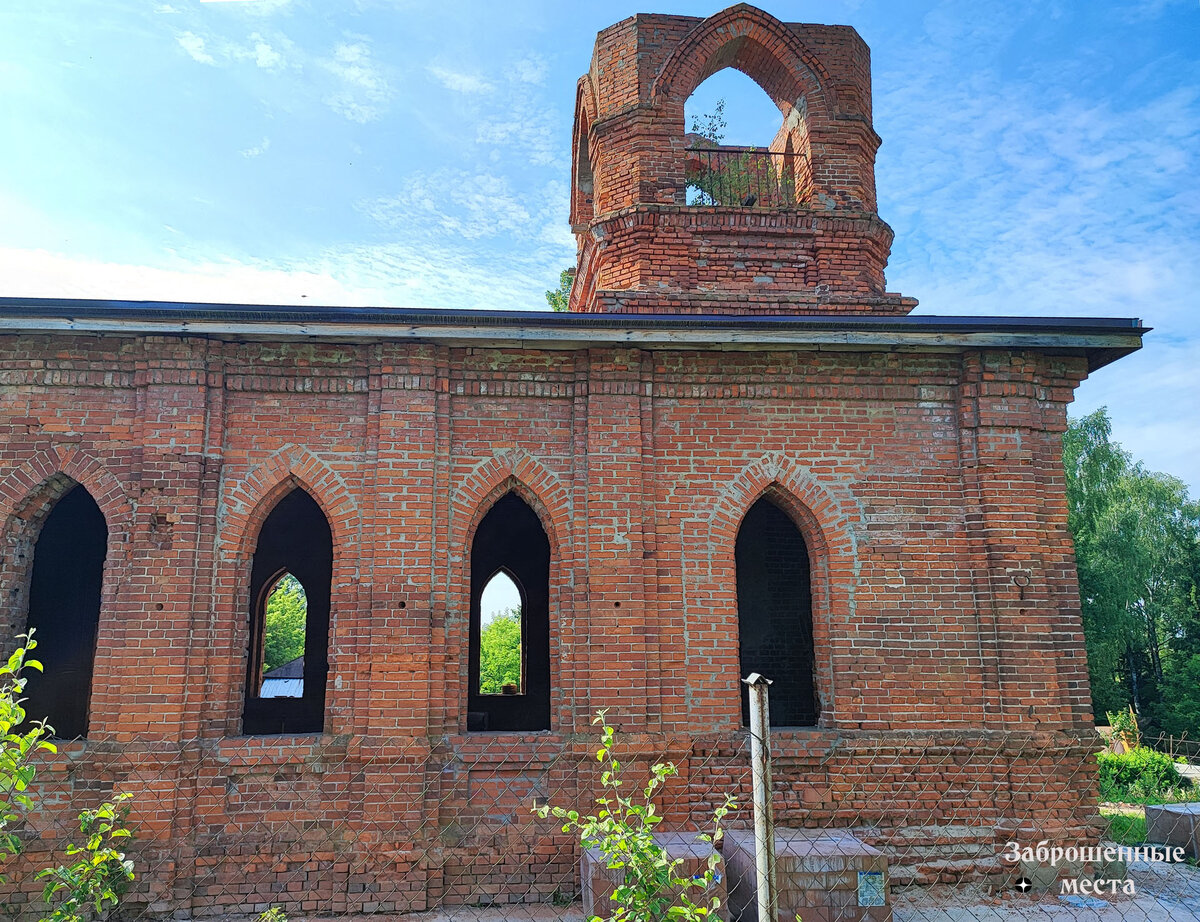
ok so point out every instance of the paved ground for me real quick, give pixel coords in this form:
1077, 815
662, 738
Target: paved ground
1165, 893
1190, 771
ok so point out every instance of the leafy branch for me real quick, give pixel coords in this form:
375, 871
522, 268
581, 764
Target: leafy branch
654, 888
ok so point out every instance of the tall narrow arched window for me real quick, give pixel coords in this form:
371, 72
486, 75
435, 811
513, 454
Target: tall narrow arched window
288, 658
509, 651
64, 611
775, 631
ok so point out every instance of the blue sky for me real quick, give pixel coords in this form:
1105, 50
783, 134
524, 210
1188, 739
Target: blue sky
1039, 158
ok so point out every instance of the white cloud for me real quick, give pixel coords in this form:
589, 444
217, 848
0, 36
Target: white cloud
530, 69
257, 7
194, 45
1020, 193
265, 56
1140, 11
39, 273
526, 128
465, 205
397, 274
215, 50
258, 150
361, 91
459, 82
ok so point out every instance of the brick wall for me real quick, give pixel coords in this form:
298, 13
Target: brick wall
629, 199
923, 484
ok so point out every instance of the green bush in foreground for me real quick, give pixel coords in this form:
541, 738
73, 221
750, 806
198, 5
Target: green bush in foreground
653, 888
100, 873
1141, 775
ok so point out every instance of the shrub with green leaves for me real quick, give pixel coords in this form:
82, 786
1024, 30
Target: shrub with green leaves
654, 888
101, 873
1140, 775
19, 745
1124, 726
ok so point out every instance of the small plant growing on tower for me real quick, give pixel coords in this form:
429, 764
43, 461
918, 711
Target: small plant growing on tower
653, 888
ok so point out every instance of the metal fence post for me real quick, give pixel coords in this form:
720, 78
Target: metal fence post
764, 817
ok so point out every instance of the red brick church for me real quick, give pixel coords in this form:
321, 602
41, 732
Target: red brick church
737, 452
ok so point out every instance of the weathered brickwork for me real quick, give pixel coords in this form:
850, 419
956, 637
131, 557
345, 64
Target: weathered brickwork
921, 483
920, 463
643, 249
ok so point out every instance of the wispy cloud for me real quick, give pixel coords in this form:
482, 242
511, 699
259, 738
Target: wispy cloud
265, 56
524, 126
218, 51
39, 273
1142, 10
258, 149
469, 206
361, 92
193, 44
1028, 195
257, 7
458, 81
529, 69
397, 274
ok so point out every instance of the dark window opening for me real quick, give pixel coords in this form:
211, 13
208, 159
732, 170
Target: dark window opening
64, 612
510, 550
775, 633
289, 620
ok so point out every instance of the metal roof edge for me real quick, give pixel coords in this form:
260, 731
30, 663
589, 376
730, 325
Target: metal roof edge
1103, 339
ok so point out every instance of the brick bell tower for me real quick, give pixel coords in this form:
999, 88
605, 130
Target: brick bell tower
668, 222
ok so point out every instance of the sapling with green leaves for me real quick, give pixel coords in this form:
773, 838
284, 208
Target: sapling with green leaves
19, 746
95, 881
100, 874
654, 888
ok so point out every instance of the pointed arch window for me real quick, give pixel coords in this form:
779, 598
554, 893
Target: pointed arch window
775, 630
754, 153
290, 581
64, 612
509, 649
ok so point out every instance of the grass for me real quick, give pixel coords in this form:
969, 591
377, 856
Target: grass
1126, 795
1126, 826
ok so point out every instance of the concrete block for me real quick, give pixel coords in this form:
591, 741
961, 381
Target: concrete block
824, 875
599, 881
1174, 824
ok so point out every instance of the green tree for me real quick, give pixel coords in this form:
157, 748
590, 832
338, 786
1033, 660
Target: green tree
500, 653
283, 629
560, 298
1136, 549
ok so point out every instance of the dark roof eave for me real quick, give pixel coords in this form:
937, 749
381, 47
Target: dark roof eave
1103, 340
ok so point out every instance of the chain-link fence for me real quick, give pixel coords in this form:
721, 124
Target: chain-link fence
937, 826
